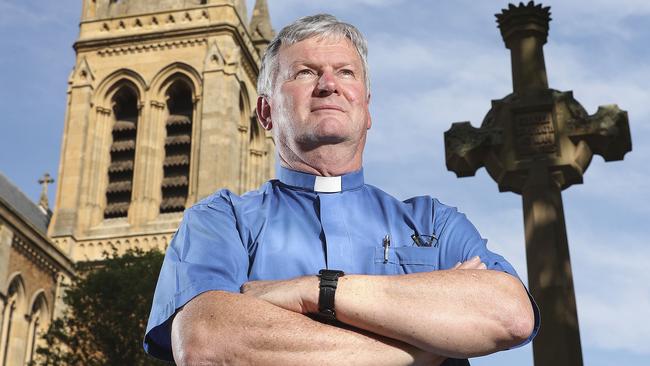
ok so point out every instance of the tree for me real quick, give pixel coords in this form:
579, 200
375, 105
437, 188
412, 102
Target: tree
107, 310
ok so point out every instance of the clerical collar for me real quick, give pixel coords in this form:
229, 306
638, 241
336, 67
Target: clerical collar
321, 184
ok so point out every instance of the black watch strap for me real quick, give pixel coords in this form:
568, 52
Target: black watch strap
328, 281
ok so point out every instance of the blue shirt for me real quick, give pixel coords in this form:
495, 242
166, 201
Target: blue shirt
299, 224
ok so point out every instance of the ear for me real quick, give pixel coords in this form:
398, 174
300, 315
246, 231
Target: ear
263, 111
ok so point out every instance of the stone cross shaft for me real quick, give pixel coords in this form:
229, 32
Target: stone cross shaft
44, 181
536, 142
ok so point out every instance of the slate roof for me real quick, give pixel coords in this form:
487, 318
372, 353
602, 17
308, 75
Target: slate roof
16, 200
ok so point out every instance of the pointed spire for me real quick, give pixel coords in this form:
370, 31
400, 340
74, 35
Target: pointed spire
260, 26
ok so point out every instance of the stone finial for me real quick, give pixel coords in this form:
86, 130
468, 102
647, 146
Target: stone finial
529, 17
260, 26
44, 181
524, 29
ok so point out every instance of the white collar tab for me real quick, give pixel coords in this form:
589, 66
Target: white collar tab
327, 184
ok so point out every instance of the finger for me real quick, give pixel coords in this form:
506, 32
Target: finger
472, 263
482, 266
456, 265
251, 286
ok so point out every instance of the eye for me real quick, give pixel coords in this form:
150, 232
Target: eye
346, 73
305, 73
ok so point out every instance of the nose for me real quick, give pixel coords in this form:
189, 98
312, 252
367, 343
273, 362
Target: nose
327, 84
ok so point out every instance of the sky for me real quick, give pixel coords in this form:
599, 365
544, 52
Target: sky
432, 63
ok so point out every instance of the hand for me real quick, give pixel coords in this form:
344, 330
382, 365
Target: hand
299, 294
472, 263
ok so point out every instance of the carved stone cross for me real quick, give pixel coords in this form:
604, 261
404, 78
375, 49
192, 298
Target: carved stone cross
536, 142
43, 201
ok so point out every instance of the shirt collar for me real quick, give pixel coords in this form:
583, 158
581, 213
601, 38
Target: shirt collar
318, 183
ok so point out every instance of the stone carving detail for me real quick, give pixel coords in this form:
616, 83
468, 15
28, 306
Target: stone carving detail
34, 256
534, 134
214, 58
150, 47
154, 21
92, 249
82, 74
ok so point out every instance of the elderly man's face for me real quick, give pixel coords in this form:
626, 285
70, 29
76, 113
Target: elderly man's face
319, 96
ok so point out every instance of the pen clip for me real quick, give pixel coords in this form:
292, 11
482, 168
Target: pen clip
386, 244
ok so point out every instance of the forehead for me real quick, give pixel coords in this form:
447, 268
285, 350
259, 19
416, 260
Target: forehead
319, 50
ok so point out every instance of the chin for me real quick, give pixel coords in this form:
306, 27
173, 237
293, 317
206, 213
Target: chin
332, 128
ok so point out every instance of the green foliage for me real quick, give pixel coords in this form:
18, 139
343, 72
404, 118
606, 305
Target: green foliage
107, 310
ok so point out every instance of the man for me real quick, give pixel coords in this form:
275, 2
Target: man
417, 285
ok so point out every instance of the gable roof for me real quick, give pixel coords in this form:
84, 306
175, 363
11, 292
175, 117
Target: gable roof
12, 197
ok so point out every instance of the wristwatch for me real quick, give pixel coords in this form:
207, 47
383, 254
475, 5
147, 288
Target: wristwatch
329, 279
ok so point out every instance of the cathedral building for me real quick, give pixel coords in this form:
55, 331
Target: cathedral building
160, 113
32, 271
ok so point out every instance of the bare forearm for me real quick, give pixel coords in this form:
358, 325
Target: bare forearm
224, 328
460, 313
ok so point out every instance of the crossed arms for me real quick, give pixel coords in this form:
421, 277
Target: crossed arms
418, 319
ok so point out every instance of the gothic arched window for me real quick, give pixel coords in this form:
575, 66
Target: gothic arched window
120, 170
38, 321
178, 143
15, 295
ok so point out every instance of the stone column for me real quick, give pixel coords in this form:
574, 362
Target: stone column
148, 171
93, 186
139, 177
59, 307
6, 237
72, 161
550, 278
219, 158
192, 189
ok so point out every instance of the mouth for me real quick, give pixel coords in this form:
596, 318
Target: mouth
326, 107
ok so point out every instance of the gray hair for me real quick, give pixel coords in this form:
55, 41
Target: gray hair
319, 25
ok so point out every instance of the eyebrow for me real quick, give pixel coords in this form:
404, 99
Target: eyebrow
314, 65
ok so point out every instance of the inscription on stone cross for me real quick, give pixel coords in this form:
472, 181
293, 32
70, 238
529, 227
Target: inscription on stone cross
534, 134
536, 142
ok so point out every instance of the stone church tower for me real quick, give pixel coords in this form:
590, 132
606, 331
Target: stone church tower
160, 113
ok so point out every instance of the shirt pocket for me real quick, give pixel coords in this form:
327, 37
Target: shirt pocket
405, 260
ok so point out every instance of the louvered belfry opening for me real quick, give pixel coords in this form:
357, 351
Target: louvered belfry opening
120, 170
178, 144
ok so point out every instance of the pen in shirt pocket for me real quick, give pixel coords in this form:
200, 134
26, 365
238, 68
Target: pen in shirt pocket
424, 240
386, 244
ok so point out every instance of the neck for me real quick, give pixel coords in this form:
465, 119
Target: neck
325, 160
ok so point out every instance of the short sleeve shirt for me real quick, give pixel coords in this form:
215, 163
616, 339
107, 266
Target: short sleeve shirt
301, 223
